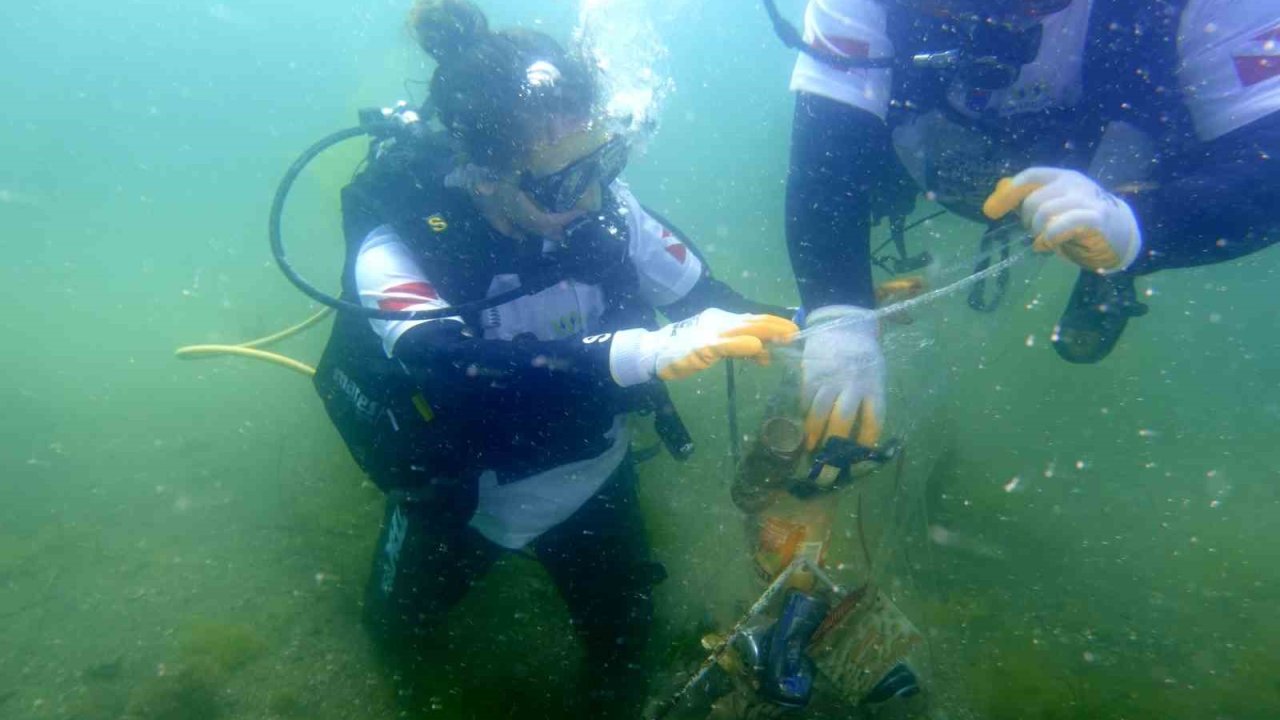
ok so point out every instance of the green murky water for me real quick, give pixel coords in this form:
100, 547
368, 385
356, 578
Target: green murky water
190, 539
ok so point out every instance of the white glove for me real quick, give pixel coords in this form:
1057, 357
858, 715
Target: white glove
690, 346
843, 377
1071, 214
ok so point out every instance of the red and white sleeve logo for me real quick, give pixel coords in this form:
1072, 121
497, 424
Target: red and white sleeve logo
406, 295
848, 47
1258, 60
674, 247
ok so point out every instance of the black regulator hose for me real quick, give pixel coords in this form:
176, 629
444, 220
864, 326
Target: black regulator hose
277, 210
311, 291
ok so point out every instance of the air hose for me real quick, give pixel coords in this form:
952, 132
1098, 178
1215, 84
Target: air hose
251, 349
401, 125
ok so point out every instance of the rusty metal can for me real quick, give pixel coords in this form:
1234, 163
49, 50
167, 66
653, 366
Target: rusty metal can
769, 464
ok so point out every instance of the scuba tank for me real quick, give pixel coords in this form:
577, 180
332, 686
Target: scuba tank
387, 422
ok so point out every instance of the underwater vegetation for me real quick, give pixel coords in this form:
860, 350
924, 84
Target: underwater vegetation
224, 647
192, 692
287, 703
195, 687
209, 653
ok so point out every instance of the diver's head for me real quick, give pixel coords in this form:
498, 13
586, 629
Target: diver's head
537, 150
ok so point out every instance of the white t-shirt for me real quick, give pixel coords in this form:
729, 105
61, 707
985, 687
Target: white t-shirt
1230, 72
390, 276
852, 28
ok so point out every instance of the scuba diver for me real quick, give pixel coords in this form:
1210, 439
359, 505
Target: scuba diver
1127, 137
501, 425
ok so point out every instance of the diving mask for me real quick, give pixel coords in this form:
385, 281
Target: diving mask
560, 190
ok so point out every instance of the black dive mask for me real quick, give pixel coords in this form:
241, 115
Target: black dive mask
561, 190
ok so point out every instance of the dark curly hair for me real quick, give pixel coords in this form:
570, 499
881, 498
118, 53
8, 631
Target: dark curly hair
496, 91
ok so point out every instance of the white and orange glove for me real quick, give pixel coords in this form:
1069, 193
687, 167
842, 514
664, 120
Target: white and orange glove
843, 377
1072, 215
693, 345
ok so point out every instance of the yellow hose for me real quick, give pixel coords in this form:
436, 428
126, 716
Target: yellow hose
248, 349
324, 313
196, 351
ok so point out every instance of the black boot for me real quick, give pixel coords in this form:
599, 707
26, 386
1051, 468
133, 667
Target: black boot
1095, 317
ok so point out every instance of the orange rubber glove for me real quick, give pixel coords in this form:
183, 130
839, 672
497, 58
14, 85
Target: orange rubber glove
1072, 215
693, 345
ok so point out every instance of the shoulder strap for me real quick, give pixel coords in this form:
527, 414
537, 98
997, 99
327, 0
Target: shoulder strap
397, 184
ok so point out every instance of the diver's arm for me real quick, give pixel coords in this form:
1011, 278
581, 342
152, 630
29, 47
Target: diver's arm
1206, 203
841, 159
840, 153
711, 293
502, 373
388, 277
596, 364
1226, 207
837, 154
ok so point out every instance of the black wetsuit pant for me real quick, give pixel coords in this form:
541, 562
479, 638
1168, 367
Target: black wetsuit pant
599, 560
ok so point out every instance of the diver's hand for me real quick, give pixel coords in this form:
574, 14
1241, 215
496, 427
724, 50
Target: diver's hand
1070, 213
690, 346
843, 377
